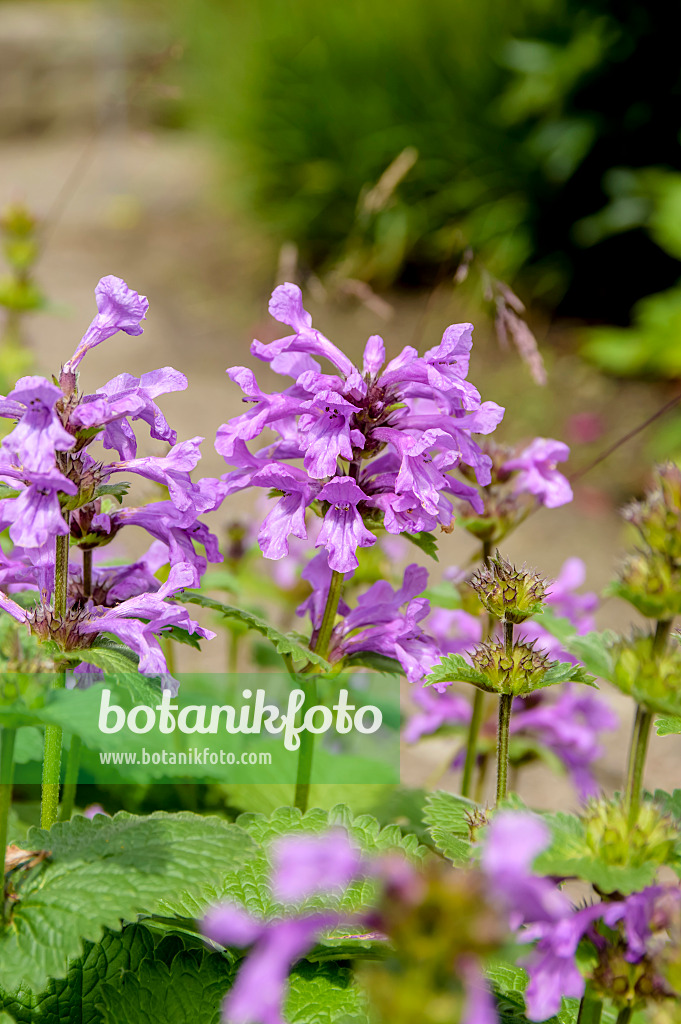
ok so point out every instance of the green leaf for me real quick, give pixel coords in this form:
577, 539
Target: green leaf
112, 658
668, 725
284, 643
249, 885
563, 672
377, 662
592, 649
425, 541
447, 816
570, 856
74, 997
111, 868
325, 995
455, 669
117, 491
669, 803
190, 988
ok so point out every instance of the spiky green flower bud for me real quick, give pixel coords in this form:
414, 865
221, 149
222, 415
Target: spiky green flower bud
658, 516
653, 678
609, 835
513, 673
651, 583
509, 594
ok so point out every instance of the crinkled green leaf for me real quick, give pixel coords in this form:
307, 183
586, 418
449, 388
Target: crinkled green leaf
107, 869
455, 669
570, 856
190, 988
324, 995
669, 803
74, 997
563, 672
284, 643
446, 816
592, 649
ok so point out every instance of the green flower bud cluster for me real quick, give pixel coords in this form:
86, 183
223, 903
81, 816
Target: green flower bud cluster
513, 672
653, 679
630, 986
509, 594
650, 578
652, 837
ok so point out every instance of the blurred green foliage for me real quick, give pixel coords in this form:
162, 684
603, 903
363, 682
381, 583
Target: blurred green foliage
385, 138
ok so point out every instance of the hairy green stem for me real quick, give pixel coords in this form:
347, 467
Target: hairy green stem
7, 738
505, 704
590, 1008
624, 1016
478, 707
49, 805
87, 573
68, 799
61, 576
640, 736
321, 647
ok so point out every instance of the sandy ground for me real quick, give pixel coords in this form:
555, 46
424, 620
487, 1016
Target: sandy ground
143, 206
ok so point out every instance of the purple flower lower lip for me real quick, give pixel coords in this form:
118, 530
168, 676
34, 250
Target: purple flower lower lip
343, 530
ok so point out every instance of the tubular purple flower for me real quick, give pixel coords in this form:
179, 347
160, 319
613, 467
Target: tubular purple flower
119, 308
39, 432
343, 530
288, 515
171, 470
537, 473
127, 396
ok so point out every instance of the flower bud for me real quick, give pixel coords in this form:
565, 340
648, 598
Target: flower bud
653, 679
612, 839
509, 594
514, 673
658, 517
651, 584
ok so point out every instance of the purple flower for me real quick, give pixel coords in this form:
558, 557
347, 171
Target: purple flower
39, 432
129, 397
326, 434
318, 574
139, 620
119, 308
305, 865
302, 865
343, 530
172, 471
537, 473
480, 1006
570, 727
288, 515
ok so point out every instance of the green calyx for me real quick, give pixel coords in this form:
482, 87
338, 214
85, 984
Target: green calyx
514, 673
509, 594
658, 517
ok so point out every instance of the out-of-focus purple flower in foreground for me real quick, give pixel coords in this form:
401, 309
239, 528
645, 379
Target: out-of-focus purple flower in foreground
301, 865
546, 917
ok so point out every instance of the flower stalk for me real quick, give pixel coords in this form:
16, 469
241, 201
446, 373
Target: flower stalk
49, 805
590, 1007
505, 704
70, 780
478, 704
309, 684
638, 748
7, 740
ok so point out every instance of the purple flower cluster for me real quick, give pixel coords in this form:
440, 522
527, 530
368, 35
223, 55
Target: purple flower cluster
545, 916
55, 488
365, 448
